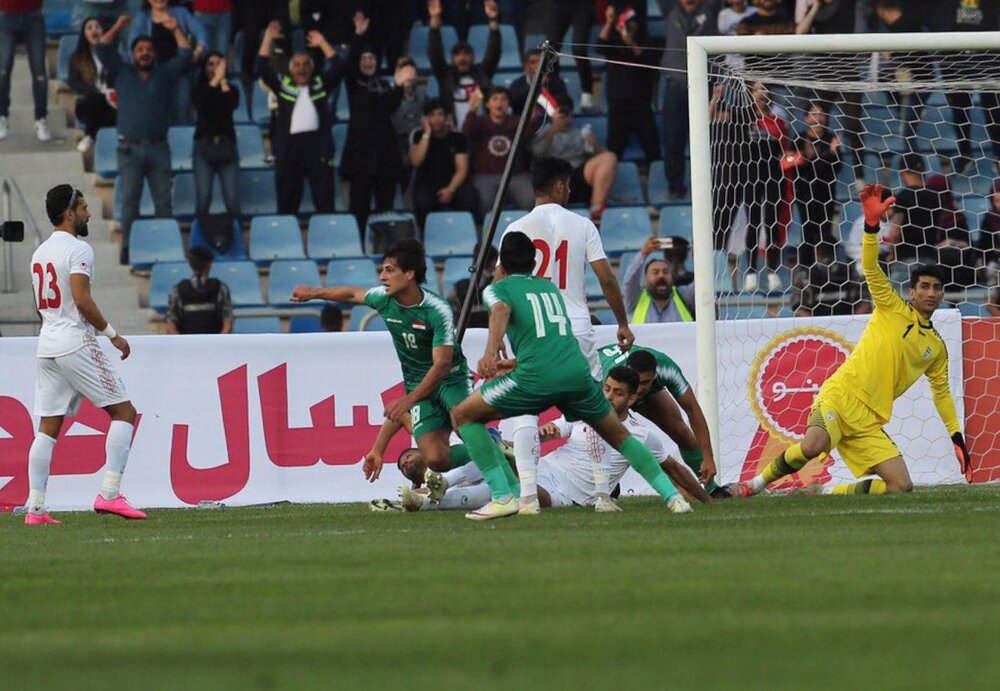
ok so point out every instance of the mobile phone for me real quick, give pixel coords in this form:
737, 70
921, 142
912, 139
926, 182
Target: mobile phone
665, 243
13, 231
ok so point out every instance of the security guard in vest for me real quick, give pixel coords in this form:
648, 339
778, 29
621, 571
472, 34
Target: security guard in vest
303, 139
200, 305
650, 293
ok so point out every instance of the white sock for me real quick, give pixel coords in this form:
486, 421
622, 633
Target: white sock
116, 450
602, 481
758, 483
469, 498
39, 461
526, 452
463, 475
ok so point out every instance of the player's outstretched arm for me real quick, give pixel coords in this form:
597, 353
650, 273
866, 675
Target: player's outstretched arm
348, 294
689, 402
613, 295
80, 287
875, 208
372, 462
937, 375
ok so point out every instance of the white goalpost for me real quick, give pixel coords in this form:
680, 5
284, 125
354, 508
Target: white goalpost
767, 203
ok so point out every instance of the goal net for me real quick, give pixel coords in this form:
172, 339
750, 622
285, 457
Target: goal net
795, 126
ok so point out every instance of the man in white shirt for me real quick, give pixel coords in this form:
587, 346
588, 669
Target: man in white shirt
565, 245
71, 364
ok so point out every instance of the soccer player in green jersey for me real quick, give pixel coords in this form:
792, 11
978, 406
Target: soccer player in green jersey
661, 383
550, 370
435, 375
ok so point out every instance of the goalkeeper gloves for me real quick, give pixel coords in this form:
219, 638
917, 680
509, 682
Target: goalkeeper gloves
962, 453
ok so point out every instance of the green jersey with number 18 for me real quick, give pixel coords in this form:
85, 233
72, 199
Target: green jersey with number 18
416, 331
668, 374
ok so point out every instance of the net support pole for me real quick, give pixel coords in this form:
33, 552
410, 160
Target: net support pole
545, 65
701, 218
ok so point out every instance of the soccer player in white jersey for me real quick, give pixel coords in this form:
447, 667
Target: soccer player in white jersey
566, 243
71, 364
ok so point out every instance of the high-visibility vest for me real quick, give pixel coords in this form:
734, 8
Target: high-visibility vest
642, 308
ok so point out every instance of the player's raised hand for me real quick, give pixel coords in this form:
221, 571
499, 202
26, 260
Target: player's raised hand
962, 454
122, 345
372, 465
625, 337
873, 205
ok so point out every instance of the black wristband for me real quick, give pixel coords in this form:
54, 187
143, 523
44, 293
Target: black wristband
872, 229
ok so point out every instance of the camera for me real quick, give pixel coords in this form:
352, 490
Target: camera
12, 231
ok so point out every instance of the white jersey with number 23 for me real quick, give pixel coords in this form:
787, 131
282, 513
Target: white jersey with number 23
63, 329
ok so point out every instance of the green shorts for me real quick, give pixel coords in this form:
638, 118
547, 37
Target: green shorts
520, 393
434, 412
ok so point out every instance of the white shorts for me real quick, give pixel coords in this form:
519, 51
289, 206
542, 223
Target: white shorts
64, 381
552, 483
588, 344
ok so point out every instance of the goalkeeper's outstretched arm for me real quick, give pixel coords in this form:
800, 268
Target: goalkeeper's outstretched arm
937, 375
875, 207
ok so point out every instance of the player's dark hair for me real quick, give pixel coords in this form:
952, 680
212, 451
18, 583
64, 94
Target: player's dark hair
410, 256
57, 202
548, 170
200, 258
641, 361
517, 253
494, 90
625, 375
432, 104
399, 466
921, 270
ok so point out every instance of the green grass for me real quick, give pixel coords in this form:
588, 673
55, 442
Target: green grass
774, 593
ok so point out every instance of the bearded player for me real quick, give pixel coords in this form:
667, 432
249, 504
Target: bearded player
898, 345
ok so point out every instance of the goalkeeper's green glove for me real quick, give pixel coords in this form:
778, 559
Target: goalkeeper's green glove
962, 453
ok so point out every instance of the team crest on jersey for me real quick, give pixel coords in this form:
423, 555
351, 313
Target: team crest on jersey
419, 325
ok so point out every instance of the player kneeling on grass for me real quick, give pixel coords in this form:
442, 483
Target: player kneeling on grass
898, 345
550, 370
71, 364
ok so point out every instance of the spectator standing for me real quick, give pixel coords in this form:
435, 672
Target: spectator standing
827, 288
630, 89
578, 14
21, 21
731, 16
815, 183
459, 81
214, 152
216, 18
773, 18
440, 159
594, 168
687, 18
650, 293
914, 233
95, 103
152, 21
144, 90
200, 304
303, 141
371, 160
407, 116
519, 87
491, 139
254, 17
954, 242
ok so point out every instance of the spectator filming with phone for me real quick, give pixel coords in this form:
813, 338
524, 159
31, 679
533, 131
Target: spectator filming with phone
660, 300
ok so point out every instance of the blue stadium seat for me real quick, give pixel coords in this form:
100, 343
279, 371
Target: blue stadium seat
571, 79
59, 18
275, 237
510, 53
658, 189
67, 44
533, 41
146, 208
181, 141
606, 316
360, 317
339, 140
455, 269
389, 218
625, 228
507, 216
257, 325
250, 144
449, 233
155, 240
243, 282
592, 285
305, 324
184, 196
285, 275
627, 190
418, 45
106, 152
237, 250
333, 235
162, 280
675, 220
257, 194
623, 261
361, 273
258, 107
433, 88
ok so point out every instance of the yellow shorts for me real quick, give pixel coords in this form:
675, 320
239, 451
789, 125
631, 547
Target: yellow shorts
854, 430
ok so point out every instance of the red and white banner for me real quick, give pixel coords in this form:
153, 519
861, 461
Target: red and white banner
254, 419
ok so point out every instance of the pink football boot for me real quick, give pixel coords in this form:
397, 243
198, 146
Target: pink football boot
118, 506
39, 519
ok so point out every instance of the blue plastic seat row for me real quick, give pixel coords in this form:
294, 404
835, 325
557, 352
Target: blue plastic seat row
249, 142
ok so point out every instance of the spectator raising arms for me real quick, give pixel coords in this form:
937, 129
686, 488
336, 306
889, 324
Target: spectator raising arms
21, 21
407, 116
95, 103
303, 141
491, 138
440, 160
519, 87
463, 78
215, 151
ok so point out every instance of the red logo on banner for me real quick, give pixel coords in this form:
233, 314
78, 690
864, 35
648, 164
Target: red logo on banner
784, 380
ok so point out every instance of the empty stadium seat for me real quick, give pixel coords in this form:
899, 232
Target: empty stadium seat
675, 220
364, 319
250, 144
333, 235
162, 280
181, 141
275, 237
352, 272
455, 269
387, 220
592, 285
155, 240
419, 35
257, 194
507, 216
625, 228
305, 324
67, 44
449, 233
572, 81
510, 53
146, 208
243, 282
237, 250
106, 152
658, 188
627, 190
623, 261
285, 274
257, 325
183, 196
606, 316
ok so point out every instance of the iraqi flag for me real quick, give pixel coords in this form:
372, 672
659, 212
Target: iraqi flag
419, 325
548, 102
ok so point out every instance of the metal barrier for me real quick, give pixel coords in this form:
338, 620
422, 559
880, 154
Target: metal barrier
11, 192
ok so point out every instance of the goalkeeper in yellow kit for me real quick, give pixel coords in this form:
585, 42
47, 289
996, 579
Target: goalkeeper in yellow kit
898, 345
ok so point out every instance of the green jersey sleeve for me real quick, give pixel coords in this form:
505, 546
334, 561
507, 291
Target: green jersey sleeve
493, 294
377, 299
441, 320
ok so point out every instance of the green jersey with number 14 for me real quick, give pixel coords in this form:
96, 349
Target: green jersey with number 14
416, 331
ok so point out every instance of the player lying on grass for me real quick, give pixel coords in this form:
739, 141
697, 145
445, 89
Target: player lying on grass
898, 345
566, 477
435, 375
550, 370
662, 386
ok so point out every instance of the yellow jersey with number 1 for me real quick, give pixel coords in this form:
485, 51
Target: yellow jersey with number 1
896, 347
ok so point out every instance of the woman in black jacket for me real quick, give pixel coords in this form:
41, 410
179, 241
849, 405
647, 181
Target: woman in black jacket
94, 106
215, 150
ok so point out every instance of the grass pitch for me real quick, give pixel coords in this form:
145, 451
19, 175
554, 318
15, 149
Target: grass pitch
774, 593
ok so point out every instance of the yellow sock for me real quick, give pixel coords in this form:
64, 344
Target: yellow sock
790, 461
864, 487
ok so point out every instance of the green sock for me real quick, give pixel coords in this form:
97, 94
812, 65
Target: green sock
487, 458
512, 481
639, 457
459, 455
693, 459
